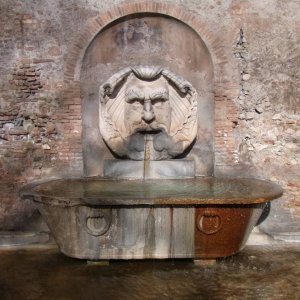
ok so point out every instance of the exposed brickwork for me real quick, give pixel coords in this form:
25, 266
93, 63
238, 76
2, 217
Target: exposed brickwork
68, 121
83, 39
42, 44
26, 80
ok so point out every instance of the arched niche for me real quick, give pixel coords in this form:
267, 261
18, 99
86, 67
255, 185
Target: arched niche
151, 39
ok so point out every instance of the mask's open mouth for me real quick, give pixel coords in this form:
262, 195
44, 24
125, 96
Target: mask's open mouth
150, 131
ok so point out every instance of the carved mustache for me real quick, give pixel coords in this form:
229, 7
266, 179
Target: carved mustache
149, 128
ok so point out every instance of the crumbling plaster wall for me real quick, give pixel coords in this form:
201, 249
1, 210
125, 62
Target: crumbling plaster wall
257, 132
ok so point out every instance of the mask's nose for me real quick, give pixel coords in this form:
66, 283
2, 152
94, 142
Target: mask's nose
148, 113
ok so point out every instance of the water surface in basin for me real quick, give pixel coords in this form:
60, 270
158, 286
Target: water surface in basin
206, 190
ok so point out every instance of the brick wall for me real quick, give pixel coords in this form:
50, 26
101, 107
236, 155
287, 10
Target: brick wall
254, 48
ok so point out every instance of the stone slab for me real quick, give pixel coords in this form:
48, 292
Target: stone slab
149, 169
191, 191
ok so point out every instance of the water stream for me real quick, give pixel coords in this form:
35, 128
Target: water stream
148, 154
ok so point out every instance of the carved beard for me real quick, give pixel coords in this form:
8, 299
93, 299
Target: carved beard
155, 146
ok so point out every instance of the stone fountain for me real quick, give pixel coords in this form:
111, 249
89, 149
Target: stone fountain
150, 201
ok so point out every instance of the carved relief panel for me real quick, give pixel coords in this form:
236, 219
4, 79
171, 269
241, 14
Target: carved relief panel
144, 103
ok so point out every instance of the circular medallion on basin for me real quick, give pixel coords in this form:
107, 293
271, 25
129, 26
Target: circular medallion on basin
209, 222
95, 221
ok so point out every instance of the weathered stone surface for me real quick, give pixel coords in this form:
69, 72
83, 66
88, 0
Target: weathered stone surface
139, 233
263, 36
134, 233
125, 219
191, 191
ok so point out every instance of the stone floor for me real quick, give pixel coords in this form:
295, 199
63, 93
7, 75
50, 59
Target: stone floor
255, 273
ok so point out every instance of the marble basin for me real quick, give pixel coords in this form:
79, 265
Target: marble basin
200, 218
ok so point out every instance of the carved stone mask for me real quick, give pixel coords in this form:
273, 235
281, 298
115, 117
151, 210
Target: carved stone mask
147, 105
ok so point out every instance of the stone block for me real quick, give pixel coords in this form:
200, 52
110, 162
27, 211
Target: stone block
149, 169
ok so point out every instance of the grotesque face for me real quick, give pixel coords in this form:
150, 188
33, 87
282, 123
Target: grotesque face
147, 106
147, 109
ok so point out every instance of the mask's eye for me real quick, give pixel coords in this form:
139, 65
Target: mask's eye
135, 102
158, 102
134, 96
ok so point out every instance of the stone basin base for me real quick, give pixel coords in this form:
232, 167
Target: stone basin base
158, 232
200, 218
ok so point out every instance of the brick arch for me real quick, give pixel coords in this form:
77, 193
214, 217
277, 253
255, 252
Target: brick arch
225, 88
92, 28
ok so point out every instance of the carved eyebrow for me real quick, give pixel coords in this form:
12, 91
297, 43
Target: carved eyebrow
160, 94
134, 93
